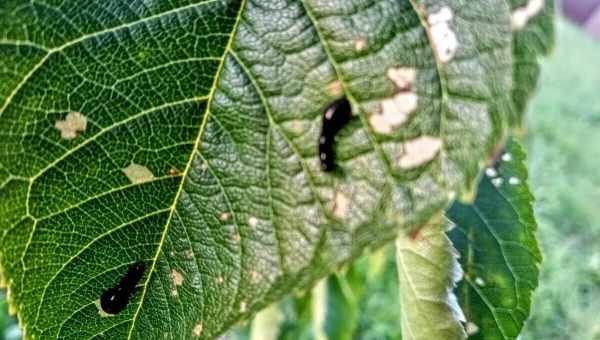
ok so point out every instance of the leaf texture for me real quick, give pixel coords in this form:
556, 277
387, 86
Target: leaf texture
499, 251
183, 134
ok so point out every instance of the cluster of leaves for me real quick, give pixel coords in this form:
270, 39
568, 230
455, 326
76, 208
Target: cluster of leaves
182, 134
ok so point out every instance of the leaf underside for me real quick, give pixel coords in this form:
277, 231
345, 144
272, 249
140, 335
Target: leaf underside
183, 134
499, 250
427, 272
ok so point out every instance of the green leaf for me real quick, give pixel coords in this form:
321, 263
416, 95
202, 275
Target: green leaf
340, 317
530, 42
183, 134
499, 251
266, 324
563, 125
428, 270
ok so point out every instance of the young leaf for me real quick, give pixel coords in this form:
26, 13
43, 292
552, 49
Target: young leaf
428, 271
183, 134
499, 251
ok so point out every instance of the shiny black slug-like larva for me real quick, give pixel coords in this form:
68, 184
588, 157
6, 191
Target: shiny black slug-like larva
335, 117
115, 299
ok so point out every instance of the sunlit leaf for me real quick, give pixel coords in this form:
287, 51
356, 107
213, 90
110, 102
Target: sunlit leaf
184, 134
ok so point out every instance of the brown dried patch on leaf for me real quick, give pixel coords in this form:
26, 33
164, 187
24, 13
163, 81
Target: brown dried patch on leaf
138, 173
521, 16
443, 38
360, 44
341, 205
198, 329
419, 151
403, 77
335, 89
74, 123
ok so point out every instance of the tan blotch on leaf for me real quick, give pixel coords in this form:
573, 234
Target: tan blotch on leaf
252, 222
403, 77
521, 15
176, 277
394, 112
198, 329
341, 205
335, 89
360, 44
138, 173
444, 40
74, 122
419, 151
224, 216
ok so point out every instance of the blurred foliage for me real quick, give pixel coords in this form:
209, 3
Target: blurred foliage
564, 132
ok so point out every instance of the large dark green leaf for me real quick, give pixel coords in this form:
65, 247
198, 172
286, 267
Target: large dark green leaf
499, 251
183, 134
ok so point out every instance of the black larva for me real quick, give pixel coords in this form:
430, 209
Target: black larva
335, 117
115, 299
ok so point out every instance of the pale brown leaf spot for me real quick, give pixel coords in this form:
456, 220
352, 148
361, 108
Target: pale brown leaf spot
419, 151
224, 216
173, 171
341, 205
253, 222
220, 280
138, 173
444, 40
176, 277
521, 16
74, 122
198, 329
243, 307
360, 44
335, 89
403, 77
395, 111
189, 254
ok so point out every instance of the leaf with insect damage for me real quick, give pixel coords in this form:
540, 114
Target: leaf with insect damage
184, 134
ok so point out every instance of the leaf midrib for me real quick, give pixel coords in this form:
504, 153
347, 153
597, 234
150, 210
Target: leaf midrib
185, 173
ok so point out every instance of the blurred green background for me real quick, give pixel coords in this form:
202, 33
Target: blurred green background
563, 138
